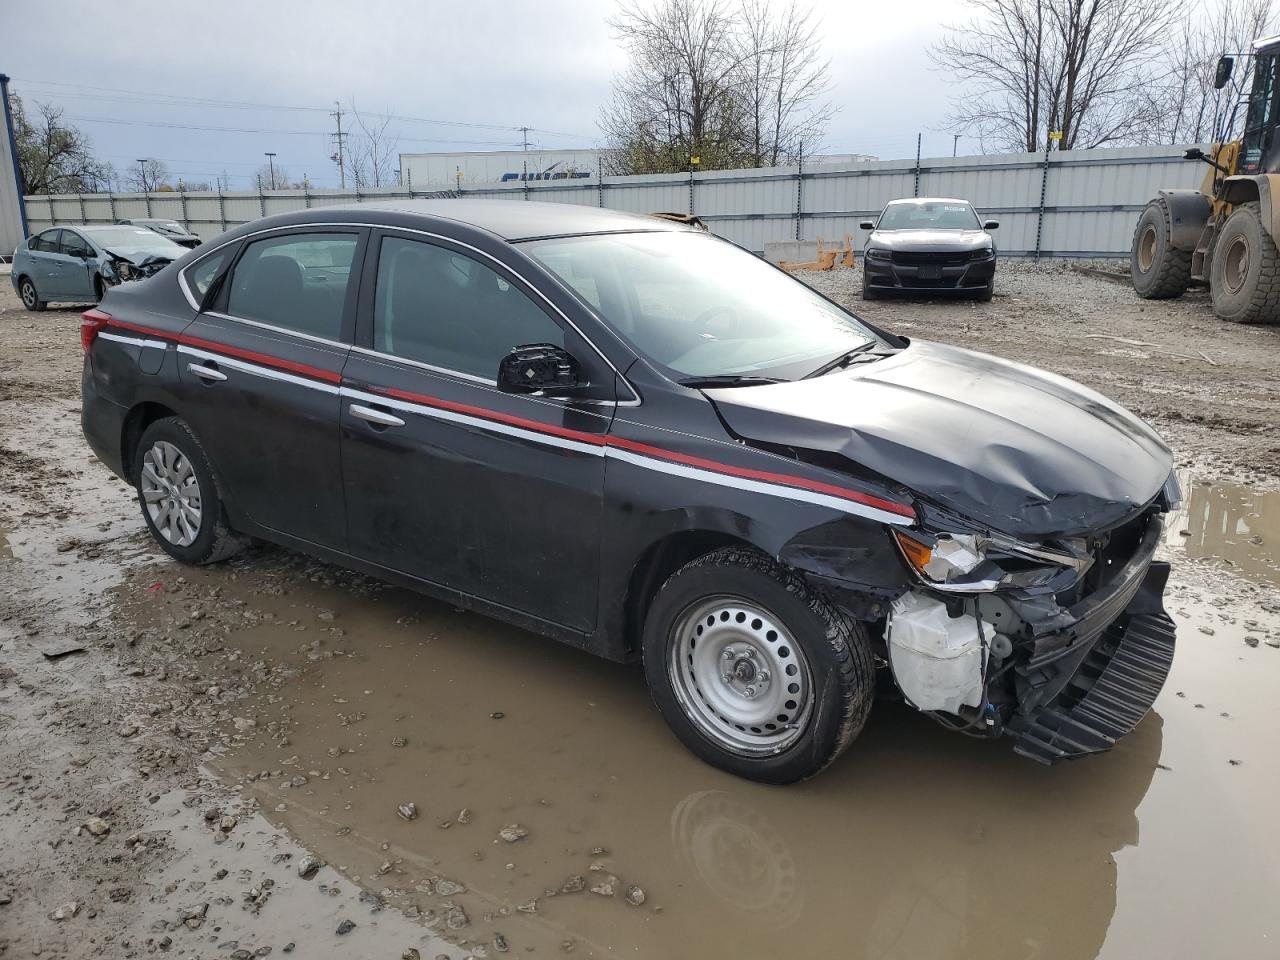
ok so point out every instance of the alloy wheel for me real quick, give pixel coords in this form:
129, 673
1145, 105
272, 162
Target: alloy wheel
29, 296
171, 493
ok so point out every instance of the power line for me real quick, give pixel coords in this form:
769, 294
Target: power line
140, 96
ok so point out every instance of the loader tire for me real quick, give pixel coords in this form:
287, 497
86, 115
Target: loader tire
1158, 270
1244, 276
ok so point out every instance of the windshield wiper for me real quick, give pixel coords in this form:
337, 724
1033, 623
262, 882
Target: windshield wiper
842, 360
726, 380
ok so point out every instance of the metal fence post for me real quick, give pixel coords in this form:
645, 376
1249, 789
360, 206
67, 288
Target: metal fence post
599, 179
917, 189
83, 217
148, 196
222, 211
111, 200
52, 218
262, 199
1044, 185
691, 188
799, 189
306, 193
182, 197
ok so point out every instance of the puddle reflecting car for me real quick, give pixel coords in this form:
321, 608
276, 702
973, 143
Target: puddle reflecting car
647, 443
170, 229
80, 263
929, 245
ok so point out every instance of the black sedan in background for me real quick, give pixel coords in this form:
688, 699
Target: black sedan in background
169, 229
643, 441
929, 245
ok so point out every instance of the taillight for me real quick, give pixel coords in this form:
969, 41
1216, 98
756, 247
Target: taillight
91, 323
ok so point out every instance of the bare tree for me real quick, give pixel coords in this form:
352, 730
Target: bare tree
372, 150
53, 156
146, 176
783, 81
1188, 104
677, 98
1082, 68
278, 178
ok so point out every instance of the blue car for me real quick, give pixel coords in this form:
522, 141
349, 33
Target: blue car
79, 263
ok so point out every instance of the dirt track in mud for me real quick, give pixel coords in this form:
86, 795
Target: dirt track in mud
224, 720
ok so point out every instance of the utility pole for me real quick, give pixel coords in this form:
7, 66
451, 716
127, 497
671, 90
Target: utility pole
524, 136
340, 156
955, 142
271, 165
142, 175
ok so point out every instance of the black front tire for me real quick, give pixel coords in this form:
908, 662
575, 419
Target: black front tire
985, 294
214, 540
836, 648
868, 293
30, 297
1244, 275
1158, 270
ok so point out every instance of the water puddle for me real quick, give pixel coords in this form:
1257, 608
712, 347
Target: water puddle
916, 843
1236, 525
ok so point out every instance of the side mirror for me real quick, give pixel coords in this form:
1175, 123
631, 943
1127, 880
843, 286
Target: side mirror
1223, 72
538, 367
867, 225
990, 224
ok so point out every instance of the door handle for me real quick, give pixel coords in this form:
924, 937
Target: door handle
377, 417
207, 373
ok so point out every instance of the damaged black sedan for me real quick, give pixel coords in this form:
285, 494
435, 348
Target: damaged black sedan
640, 440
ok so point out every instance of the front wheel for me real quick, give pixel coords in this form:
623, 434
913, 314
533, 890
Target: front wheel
753, 671
30, 298
1244, 275
178, 495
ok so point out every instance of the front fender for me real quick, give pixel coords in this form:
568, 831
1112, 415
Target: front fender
1261, 188
1188, 213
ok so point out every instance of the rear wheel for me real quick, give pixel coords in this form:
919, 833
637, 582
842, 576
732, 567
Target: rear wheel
30, 298
178, 495
1158, 271
753, 671
1244, 276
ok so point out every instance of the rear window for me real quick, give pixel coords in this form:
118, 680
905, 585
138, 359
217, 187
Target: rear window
298, 281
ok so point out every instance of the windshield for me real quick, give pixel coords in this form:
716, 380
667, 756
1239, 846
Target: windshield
128, 238
165, 226
928, 215
702, 307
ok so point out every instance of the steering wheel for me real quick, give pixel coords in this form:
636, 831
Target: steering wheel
705, 326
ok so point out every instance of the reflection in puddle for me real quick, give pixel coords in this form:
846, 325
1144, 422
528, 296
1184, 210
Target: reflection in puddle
1228, 522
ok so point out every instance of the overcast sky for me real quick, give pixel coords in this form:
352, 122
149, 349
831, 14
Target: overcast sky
545, 64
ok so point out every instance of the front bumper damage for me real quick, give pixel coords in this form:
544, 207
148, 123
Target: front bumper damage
1064, 675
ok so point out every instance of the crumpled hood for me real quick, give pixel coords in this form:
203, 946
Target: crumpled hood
145, 251
925, 240
1019, 450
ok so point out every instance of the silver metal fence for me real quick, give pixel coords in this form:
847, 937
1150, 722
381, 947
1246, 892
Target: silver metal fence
1080, 203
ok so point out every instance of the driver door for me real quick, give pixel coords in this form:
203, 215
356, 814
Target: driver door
448, 479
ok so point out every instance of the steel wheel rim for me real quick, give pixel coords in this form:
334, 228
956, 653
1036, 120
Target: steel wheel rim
1147, 249
171, 494
28, 294
1235, 267
740, 676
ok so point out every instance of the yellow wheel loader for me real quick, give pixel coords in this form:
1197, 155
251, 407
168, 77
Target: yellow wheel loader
1225, 233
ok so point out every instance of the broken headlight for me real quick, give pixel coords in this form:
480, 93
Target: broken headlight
974, 563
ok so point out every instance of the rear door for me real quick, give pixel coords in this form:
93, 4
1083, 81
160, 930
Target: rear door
262, 365
448, 479
46, 257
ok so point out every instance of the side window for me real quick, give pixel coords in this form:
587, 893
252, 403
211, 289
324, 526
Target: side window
202, 275
298, 281
46, 242
440, 307
74, 245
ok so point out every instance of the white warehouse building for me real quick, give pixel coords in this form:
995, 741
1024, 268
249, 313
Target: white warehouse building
427, 171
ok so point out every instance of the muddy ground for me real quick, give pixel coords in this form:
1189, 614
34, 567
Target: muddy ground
174, 741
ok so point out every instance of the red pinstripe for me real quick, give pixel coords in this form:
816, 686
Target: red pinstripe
621, 443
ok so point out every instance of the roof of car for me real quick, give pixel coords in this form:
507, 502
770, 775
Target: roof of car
523, 220
928, 200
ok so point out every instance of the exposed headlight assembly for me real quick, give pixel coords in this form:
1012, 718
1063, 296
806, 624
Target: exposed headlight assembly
986, 253
877, 253
972, 563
